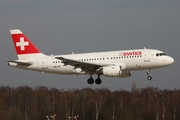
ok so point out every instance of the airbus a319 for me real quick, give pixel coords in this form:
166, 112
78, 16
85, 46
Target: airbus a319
119, 63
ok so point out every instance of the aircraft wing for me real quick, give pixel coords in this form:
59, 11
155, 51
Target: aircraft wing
85, 66
20, 62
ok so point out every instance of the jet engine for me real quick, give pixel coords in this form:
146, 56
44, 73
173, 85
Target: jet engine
115, 71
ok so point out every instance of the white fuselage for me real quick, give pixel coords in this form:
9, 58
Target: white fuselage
138, 59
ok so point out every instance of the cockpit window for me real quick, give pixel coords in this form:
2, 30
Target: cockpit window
160, 54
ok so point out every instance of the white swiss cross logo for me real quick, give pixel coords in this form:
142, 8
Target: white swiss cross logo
22, 43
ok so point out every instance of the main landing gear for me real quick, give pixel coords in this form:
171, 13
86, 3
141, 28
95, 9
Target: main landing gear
97, 81
148, 73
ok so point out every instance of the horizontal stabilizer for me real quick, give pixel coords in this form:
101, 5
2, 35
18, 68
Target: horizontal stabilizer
20, 62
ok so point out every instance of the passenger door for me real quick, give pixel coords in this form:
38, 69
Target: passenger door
146, 56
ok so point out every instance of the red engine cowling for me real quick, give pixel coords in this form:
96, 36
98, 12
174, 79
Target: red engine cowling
115, 71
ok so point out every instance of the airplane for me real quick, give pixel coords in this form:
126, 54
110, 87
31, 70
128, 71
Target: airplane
110, 64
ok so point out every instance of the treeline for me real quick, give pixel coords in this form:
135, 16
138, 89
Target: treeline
25, 103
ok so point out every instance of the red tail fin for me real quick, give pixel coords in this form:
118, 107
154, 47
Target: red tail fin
22, 44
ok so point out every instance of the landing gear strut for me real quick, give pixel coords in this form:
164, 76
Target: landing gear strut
97, 81
148, 73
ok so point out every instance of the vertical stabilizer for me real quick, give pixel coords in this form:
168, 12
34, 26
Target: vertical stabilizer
24, 47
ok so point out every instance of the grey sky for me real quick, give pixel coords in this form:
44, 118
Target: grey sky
65, 26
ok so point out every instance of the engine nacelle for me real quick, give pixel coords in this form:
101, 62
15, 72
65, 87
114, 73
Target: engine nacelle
115, 71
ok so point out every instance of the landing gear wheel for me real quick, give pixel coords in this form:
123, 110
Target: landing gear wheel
149, 78
148, 73
90, 80
98, 81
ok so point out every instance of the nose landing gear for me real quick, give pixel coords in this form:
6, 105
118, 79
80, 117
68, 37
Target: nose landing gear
148, 73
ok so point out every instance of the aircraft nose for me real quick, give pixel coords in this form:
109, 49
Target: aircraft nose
171, 60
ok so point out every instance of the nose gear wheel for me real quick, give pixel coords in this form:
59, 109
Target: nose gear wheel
148, 73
